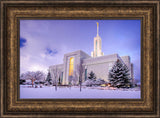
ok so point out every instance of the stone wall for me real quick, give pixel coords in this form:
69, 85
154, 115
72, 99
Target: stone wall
100, 65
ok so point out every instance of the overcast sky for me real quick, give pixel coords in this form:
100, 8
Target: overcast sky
44, 42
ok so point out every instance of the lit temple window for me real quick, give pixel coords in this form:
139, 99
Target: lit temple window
71, 64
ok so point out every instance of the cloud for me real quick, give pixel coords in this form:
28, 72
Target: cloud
22, 42
35, 56
51, 52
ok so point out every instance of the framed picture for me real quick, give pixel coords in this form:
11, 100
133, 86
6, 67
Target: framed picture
80, 59
60, 63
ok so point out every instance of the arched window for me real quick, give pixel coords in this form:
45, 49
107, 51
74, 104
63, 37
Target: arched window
71, 65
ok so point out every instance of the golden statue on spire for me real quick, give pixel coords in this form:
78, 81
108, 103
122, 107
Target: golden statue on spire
97, 24
97, 28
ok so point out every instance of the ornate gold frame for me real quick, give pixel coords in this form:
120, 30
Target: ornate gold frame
13, 11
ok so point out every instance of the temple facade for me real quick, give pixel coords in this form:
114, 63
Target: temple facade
79, 63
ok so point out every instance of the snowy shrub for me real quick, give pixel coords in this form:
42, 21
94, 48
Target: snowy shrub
22, 81
72, 80
99, 82
90, 82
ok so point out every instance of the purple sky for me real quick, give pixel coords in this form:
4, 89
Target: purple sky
44, 42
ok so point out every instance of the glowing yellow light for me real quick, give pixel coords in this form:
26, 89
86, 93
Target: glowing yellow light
97, 24
71, 64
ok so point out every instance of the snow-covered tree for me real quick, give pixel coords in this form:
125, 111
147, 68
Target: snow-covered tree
92, 76
59, 76
70, 80
119, 75
56, 75
38, 75
23, 76
49, 78
73, 79
80, 70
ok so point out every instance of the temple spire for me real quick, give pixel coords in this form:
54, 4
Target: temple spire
97, 28
97, 51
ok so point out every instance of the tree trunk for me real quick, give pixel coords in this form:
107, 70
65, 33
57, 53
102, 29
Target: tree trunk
32, 82
56, 87
80, 83
80, 87
56, 84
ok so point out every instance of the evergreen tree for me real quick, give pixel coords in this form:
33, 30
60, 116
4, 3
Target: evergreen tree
92, 76
119, 76
49, 78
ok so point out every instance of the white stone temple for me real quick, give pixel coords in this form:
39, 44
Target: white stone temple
79, 62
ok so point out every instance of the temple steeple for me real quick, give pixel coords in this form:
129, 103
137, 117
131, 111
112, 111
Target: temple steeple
97, 45
97, 29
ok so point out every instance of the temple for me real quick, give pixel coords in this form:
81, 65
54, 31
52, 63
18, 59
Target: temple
79, 63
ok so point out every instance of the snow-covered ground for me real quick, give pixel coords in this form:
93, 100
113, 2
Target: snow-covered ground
45, 92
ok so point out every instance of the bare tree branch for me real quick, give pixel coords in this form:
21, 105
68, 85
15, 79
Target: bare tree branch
80, 70
38, 75
56, 73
